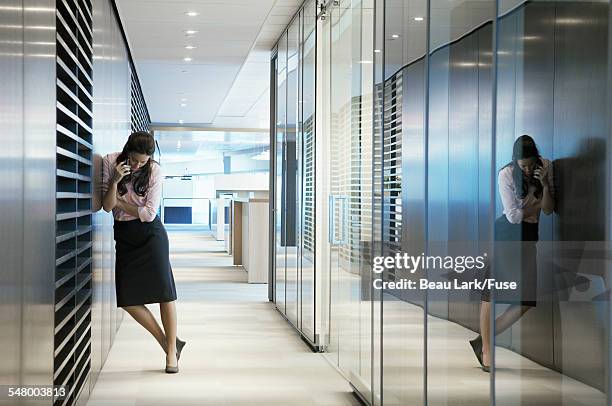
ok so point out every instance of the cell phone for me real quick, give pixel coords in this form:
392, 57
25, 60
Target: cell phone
538, 166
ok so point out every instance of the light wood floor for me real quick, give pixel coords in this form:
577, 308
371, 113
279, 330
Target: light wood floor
239, 350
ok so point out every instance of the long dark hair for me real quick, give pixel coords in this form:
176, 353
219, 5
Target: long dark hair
140, 142
524, 148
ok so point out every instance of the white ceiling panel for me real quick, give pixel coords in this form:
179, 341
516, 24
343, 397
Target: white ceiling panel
172, 35
250, 13
226, 82
203, 86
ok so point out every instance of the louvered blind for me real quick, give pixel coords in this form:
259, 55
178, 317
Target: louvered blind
73, 265
392, 166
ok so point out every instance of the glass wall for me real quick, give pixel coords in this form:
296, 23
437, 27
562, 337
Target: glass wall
349, 75
415, 133
295, 255
307, 167
280, 165
553, 85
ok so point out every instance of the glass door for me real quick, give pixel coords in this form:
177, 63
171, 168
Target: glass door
307, 147
349, 53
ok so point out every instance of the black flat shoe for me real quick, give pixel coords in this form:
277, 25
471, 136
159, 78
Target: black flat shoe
485, 368
179, 346
172, 370
477, 348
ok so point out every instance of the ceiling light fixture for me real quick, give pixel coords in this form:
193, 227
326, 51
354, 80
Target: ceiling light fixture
377, 50
191, 13
395, 36
189, 47
183, 105
181, 121
188, 59
190, 32
418, 18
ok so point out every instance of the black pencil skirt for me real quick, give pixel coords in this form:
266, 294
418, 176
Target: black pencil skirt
515, 260
142, 264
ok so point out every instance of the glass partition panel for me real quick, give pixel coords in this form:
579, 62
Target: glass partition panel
280, 166
308, 246
291, 159
552, 154
404, 199
350, 50
459, 167
377, 208
360, 220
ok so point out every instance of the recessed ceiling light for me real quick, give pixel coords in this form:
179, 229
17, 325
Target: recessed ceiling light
191, 32
191, 13
418, 18
365, 61
188, 59
189, 47
181, 121
183, 105
395, 36
377, 50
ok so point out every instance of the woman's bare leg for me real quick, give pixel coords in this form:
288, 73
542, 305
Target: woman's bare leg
509, 317
502, 323
485, 330
168, 316
146, 319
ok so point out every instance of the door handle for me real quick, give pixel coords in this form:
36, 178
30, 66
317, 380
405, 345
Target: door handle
333, 200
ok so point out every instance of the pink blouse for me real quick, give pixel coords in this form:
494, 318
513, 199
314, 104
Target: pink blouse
526, 209
147, 205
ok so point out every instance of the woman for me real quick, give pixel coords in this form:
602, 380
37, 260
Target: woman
131, 186
525, 186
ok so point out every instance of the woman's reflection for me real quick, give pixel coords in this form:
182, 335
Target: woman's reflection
526, 188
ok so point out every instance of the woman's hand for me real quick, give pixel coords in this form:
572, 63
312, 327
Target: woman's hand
541, 174
547, 204
121, 170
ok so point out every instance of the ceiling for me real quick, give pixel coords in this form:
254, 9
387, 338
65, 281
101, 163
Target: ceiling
226, 83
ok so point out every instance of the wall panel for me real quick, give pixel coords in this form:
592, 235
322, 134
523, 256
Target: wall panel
581, 136
119, 108
463, 126
11, 190
39, 193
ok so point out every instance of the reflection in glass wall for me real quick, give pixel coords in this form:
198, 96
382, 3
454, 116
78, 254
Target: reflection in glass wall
553, 86
404, 204
439, 127
458, 176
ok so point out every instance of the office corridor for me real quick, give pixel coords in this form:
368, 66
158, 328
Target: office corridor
239, 351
